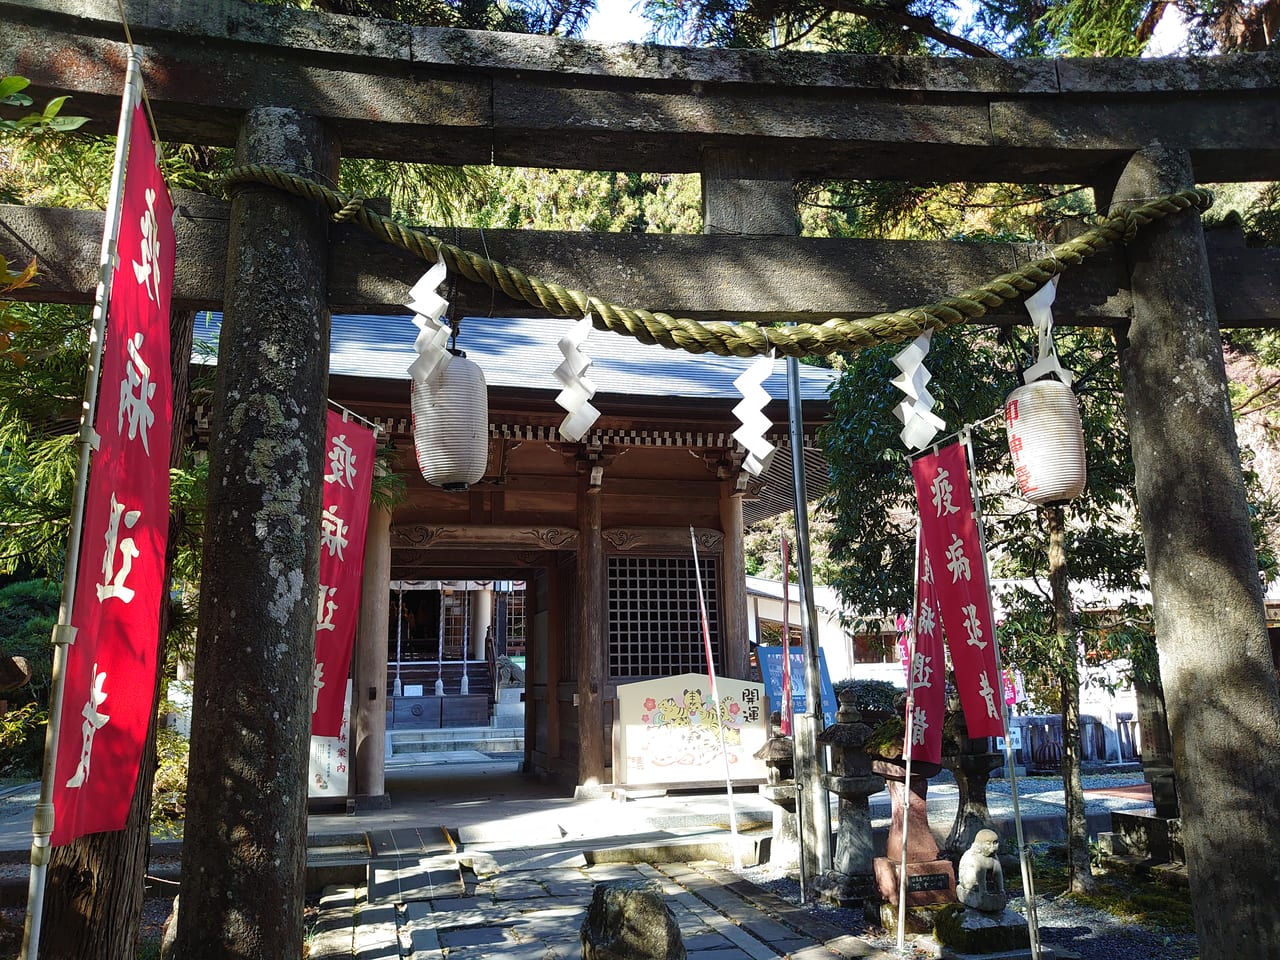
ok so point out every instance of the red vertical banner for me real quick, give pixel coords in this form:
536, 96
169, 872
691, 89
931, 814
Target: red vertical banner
949, 527
927, 670
348, 479
111, 666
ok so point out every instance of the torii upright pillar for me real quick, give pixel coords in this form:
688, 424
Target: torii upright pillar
1215, 659
245, 845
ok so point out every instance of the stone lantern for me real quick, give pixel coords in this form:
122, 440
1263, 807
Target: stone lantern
851, 880
778, 754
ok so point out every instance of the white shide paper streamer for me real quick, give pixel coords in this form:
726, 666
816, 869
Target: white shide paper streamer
578, 390
1038, 305
433, 337
750, 412
919, 423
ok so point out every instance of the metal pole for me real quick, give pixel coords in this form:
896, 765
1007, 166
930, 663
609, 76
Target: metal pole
465, 688
440, 647
907, 749
398, 688
64, 632
787, 727
715, 699
808, 758
1028, 881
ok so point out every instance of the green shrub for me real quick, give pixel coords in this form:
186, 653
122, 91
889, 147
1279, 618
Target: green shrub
28, 612
22, 741
871, 694
169, 791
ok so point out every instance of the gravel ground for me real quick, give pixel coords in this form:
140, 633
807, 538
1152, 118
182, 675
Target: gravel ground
1097, 935
1091, 933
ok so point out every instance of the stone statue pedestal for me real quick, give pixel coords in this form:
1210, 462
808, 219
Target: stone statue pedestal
930, 879
966, 931
962, 933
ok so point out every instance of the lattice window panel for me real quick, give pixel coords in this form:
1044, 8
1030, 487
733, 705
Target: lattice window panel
457, 624
569, 643
655, 628
516, 622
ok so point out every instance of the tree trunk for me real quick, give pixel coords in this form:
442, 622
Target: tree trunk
244, 846
94, 892
1080, 874
1215, 658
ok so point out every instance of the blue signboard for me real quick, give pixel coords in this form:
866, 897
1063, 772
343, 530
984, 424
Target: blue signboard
771, 672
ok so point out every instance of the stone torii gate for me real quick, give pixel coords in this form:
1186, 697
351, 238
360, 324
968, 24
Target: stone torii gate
296, 90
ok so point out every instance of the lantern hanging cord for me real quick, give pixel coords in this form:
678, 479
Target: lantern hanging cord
739, 339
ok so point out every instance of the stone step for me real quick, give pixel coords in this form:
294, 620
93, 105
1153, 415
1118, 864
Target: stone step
404, 879
482, 739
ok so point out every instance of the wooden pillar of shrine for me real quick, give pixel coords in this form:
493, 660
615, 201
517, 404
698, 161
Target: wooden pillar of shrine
369, 712
591, 639
733, 617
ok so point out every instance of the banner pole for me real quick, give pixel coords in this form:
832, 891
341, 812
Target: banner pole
1028, 881
63, 631
786, 728
715, 699
787, 701
907, 750
810, 763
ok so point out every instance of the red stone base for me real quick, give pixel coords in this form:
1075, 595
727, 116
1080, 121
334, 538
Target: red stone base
928, 881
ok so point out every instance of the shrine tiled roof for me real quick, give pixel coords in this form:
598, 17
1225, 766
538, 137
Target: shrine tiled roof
522, 353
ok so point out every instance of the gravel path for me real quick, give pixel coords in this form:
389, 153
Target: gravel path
1097, 935
1091, 933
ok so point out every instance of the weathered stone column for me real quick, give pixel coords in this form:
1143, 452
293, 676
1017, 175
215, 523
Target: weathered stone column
591, 639
369, 746
733, 611
972, 766
1215, 660
244, 852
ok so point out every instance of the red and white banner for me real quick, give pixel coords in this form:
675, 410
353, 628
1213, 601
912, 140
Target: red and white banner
111, 666
949, 529
1015, 690
926, 674
348, 478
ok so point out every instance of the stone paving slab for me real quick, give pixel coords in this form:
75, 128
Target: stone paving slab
410, 842
826, 937
537, 915
401, 879
376, 933
334, 933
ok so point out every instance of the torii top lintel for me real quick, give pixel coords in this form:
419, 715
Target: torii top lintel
456, 96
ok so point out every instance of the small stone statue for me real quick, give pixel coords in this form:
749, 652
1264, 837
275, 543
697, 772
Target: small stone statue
509, 674
980, 884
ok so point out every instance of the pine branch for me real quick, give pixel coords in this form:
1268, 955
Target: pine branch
1239, 409
920, 24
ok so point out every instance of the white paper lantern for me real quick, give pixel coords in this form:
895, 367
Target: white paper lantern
451, 425
1046, 441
